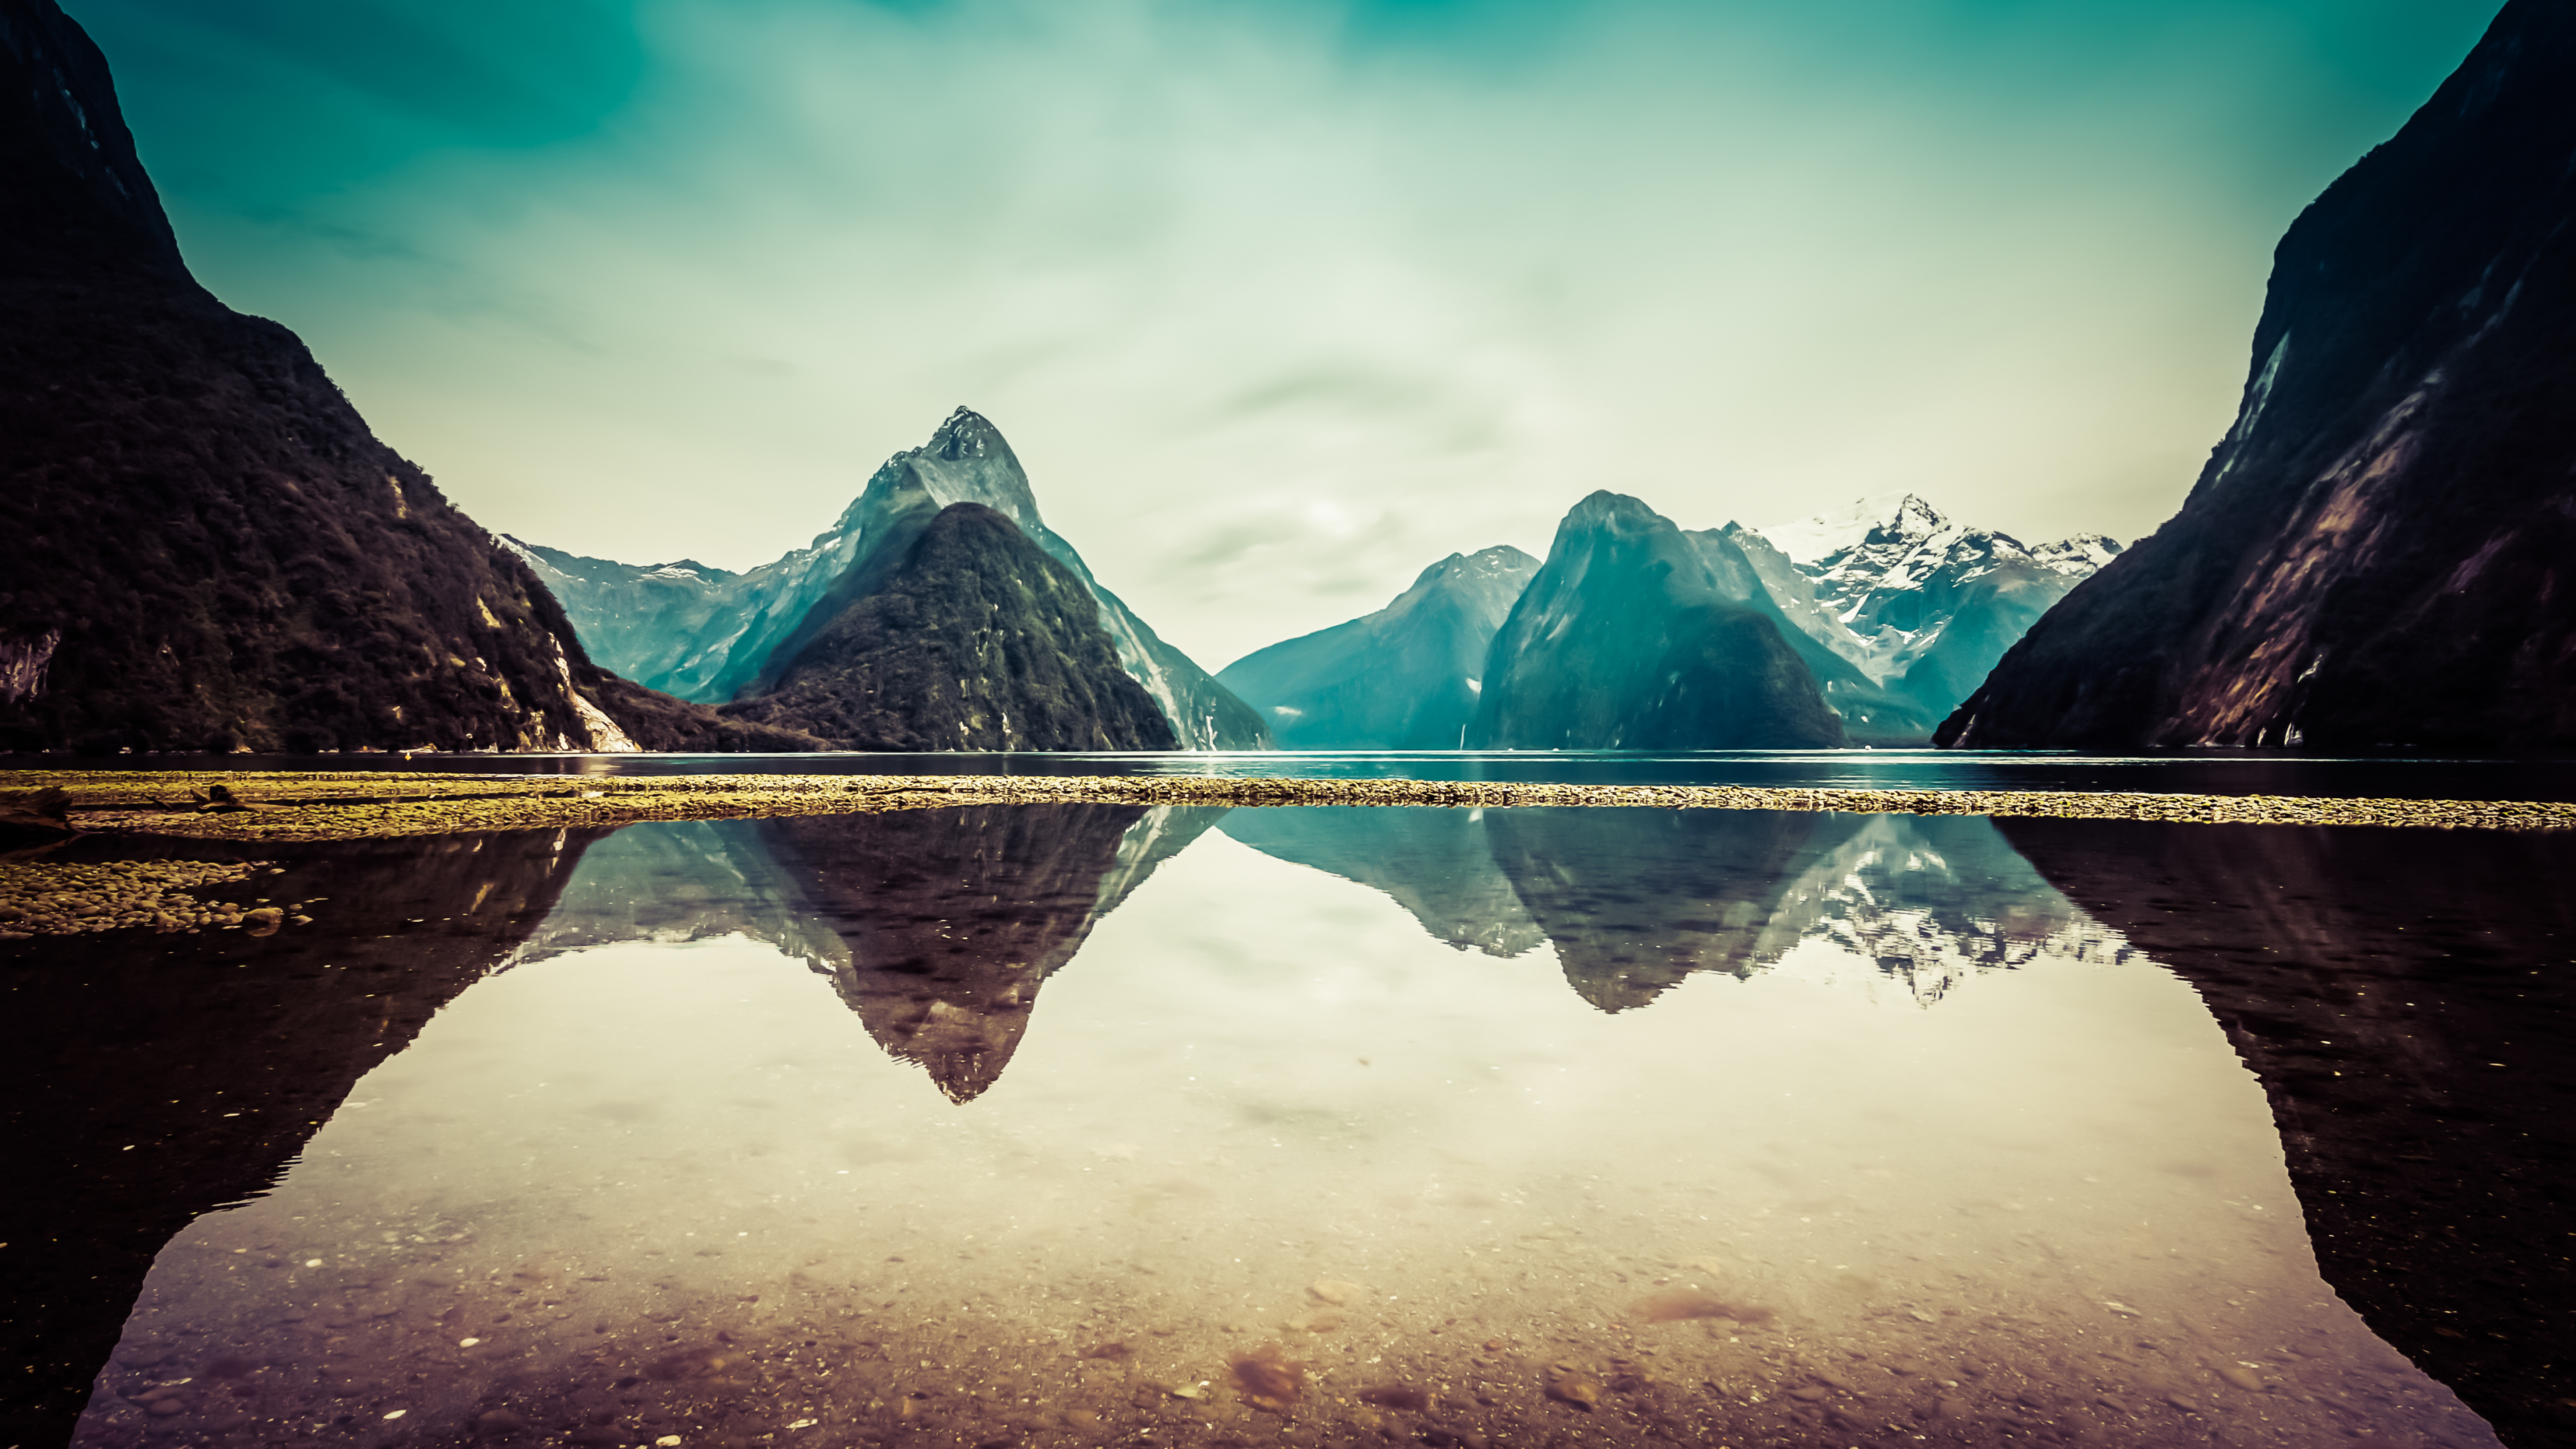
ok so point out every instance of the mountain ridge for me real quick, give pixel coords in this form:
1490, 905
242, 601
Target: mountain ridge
710, 635
213, 550
2375, 554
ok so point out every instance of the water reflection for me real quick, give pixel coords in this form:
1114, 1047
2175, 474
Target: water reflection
146, 1079
936, 926
1636, 900
2406, 998
1281, 1168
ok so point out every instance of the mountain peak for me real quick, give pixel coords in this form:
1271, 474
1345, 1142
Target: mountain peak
1897, 514
1501, 560
966, 434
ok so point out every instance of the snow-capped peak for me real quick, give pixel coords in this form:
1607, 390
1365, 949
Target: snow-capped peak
1810, 541
2079, 556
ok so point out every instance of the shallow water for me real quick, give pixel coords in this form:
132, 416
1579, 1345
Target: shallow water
1091, 1124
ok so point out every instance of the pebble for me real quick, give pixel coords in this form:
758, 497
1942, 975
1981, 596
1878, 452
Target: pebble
354, 805
2242, 1377
1568, 1386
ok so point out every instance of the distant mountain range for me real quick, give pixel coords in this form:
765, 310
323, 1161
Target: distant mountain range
708, 635
1866, 625
2382, 550
209, 550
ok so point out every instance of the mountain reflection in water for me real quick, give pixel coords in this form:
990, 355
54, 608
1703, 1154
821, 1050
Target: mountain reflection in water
1280, 1169
1636, 900
936, 926
145, 1079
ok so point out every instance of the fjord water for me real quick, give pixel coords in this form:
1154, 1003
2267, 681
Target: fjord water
1081, 1124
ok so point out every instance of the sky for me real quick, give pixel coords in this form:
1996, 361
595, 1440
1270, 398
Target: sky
1278, 300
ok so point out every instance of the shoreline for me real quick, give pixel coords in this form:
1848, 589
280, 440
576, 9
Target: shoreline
295, 806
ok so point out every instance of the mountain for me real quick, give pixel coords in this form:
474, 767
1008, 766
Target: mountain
1898, 611
960, 634
1403, 678
1625, 639
708, 635
210, 551
2378, 551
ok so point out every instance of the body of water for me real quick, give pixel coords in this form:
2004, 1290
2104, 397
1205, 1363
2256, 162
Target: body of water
1086, 1124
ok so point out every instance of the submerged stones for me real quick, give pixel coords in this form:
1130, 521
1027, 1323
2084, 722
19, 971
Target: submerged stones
1268, 1379
42, 898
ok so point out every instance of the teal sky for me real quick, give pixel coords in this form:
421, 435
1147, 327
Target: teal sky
1279, 300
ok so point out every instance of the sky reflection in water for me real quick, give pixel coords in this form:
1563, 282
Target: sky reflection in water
1846, 1126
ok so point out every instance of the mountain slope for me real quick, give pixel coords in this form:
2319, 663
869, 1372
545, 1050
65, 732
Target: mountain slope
2382, 550
1625, 640
1403, 678
705, 634
959, 634
1912, 608
210, 549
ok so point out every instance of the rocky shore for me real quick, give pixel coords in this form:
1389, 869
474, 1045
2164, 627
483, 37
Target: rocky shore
261, 806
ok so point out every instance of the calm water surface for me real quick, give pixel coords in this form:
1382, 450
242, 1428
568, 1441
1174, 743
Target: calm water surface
1082, 1125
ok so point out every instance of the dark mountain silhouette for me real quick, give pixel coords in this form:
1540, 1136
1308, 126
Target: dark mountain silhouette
1625, 640
963, 636
2405, 1000
2382, 551
210, 551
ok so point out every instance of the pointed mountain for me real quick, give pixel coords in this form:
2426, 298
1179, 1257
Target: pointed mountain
2377, 553
704, 634
1899, 610
210, 551
1625, 639
957, 633
1403, 678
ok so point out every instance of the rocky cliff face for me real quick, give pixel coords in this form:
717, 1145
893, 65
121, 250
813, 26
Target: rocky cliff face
1403, 678
1626, 639
708, 635
2382, 550
209, 549
959, 634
